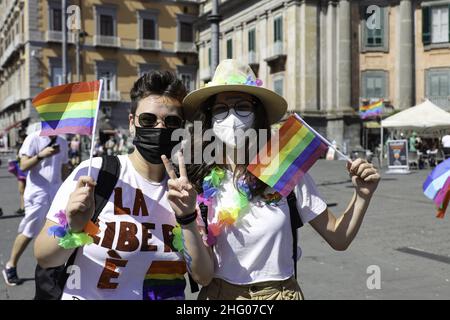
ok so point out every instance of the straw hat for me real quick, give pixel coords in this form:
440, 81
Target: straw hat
231, 75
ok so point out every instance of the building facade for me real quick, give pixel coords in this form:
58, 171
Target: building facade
328, 57
118, 41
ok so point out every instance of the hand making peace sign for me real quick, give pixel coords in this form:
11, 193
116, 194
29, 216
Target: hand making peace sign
182, 195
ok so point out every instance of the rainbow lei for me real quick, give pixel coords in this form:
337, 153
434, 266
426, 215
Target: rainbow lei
67, 239
227, 216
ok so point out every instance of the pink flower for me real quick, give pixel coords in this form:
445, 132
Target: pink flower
61, 216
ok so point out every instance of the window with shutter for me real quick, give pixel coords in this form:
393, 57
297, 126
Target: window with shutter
374, 85
106, 25
440, 24
57, 78
278, 86
278, 29
230, 49
148, 29
374, 26
209, 57
426, 25
186, 32
56, 19
375, 36
252, 40
437, 84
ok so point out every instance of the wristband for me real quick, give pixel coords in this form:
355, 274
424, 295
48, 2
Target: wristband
67, 238
39, 157
187, 219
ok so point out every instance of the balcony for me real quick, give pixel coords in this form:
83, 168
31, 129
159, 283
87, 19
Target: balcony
145, 44
185, 47
10, 100
107, 41
442, 102
15, 45
111, 96
18, 41
277, 62
56, 36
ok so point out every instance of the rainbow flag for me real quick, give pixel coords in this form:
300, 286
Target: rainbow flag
298, 149
371, 110
68, 108
165, 280
442, 199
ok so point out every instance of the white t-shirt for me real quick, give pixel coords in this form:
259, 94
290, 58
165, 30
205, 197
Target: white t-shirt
45, 177
259, 246
132, 257
446, 141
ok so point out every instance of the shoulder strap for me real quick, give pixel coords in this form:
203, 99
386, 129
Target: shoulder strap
107, 179
296, 222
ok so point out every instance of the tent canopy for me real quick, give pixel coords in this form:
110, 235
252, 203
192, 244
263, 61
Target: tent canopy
423, 117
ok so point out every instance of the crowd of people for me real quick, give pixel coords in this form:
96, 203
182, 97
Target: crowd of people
231, 232
429, 151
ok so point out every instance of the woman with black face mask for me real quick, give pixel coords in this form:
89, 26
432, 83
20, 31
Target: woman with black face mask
148, 236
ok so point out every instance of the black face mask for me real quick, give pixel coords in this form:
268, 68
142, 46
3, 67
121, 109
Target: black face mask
152, 143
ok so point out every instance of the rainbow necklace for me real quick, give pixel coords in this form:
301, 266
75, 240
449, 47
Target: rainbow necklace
228, 215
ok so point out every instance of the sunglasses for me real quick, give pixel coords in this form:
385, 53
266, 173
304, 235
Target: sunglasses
150, 120
242, 108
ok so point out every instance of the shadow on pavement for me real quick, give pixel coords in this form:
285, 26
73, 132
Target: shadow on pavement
12, 216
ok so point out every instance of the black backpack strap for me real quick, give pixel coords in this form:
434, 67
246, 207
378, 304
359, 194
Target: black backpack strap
296, 222
107, 179
204, 213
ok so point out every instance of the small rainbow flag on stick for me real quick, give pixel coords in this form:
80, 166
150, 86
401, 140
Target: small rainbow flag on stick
299, 147
371, 110
70, 108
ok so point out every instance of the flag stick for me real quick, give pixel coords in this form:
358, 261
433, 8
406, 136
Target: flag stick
94, 128
323, 139
381, 155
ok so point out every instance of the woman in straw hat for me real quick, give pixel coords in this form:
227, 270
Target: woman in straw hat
248, 223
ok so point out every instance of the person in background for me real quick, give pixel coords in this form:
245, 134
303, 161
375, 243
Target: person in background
413, 142
46, 159
446, 145
110, 146
74, 151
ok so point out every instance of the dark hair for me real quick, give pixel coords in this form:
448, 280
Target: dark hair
197, 172
163, 83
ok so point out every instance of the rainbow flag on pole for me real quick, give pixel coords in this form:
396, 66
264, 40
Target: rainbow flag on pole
299, 147
371, 110
69, 108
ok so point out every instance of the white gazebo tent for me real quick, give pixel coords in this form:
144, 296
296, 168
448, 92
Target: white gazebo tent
425, 118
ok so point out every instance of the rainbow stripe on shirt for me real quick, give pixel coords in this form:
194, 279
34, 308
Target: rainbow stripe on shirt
165, 280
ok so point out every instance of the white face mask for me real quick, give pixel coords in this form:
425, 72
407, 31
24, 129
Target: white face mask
233, 126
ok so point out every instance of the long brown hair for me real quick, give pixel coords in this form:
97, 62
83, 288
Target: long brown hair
197, 172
